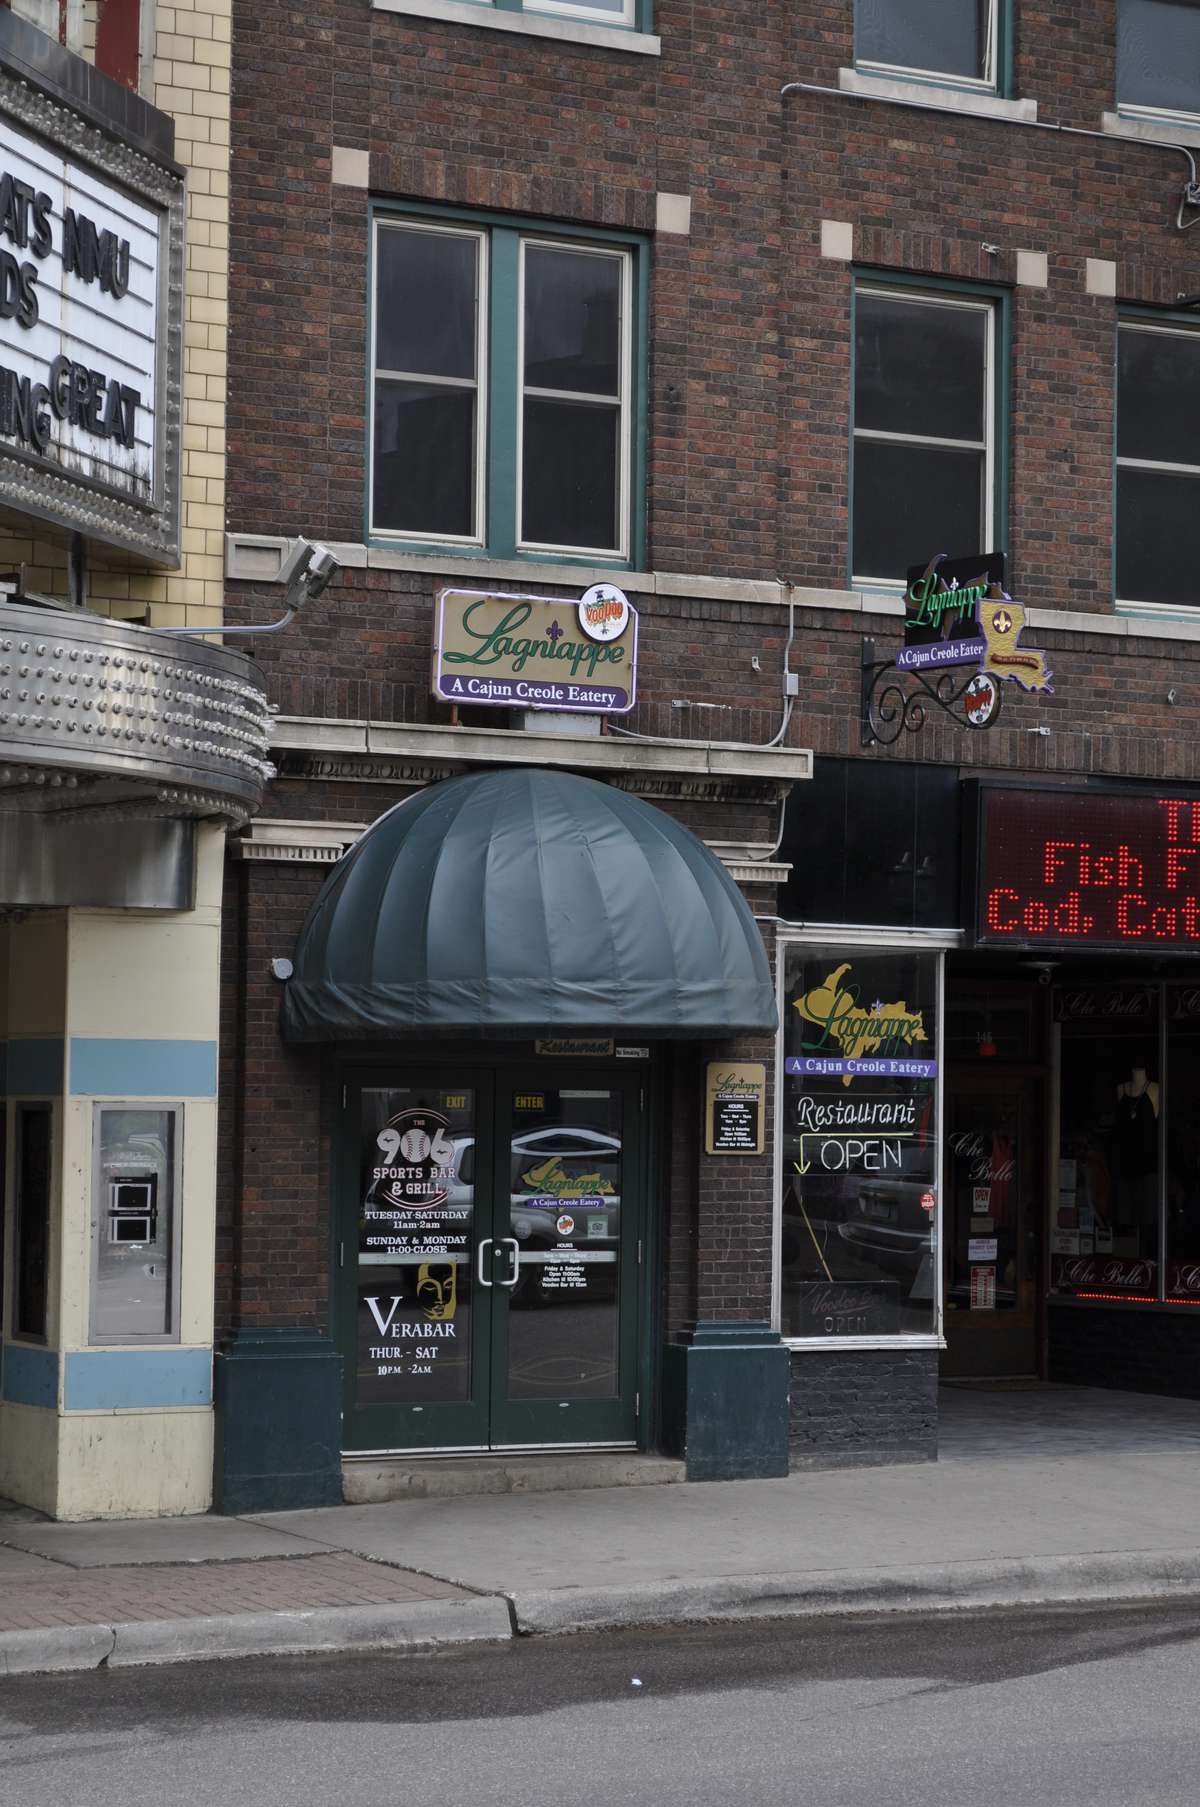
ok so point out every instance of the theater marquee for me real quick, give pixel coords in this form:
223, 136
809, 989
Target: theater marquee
1072, 868
91, 285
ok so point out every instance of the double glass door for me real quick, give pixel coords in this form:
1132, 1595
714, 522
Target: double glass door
488, 1253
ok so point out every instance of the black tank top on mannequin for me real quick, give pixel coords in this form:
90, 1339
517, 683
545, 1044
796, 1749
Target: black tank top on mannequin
1136, 1137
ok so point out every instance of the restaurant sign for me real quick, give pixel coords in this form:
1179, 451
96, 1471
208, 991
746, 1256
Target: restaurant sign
964, 639
537, 652
957, 612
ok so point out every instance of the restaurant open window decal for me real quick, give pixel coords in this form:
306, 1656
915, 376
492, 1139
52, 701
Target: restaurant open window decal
964, 638
860, 1142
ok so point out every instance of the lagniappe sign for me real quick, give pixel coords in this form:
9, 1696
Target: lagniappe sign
537, 652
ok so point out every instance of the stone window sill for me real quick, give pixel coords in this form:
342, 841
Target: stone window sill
528, 25
933, 95
1162, 131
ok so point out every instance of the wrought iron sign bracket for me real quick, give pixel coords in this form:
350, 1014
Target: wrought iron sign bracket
895, 701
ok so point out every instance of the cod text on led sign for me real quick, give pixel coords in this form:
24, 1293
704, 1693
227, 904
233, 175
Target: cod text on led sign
1101, 870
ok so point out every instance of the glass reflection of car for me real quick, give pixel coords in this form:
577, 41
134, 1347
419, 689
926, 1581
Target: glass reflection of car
559, 1173
877, 1213
888, 1223
553, 1171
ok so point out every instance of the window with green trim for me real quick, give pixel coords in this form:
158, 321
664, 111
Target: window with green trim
1158, 462
954, 41
502, 389
1158, 57
925, 465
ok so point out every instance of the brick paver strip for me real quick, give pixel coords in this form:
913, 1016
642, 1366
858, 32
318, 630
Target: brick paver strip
282, 1584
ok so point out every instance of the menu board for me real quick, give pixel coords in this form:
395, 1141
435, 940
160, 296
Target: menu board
734, 1093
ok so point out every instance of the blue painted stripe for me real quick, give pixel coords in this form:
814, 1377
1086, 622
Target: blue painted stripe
33, 1066
98, 1380
29, 1376
122, 1067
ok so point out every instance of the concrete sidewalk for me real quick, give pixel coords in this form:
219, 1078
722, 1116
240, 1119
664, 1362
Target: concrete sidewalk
1049, 1496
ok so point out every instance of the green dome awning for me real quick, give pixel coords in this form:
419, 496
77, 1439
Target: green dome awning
524, 901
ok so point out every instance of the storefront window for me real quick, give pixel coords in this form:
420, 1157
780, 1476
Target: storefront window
1104, 1238
1182, 1280
34, 1158
860, 1142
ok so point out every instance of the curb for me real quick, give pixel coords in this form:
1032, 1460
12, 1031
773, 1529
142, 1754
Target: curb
1105, 1579
426, 1625
1109, 1578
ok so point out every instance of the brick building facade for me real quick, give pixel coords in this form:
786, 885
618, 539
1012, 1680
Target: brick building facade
873, 282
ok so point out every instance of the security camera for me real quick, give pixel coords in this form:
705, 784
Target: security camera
1045, 970
307, 569
322, 568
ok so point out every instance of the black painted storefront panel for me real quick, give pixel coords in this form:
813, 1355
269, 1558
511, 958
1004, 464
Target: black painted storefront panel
1129, 1349
863, 1406
871, 841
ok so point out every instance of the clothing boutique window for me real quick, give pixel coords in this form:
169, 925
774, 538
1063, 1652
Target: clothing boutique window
1126, 1222
860, 1142
954, 39
1158, 56
923, 429
503, 390
1158, 463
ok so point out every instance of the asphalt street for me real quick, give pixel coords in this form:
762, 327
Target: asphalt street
1061, 1707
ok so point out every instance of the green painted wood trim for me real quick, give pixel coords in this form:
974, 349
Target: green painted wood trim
502, 393
1005, 60
502, 389
1154, 316
1001, 302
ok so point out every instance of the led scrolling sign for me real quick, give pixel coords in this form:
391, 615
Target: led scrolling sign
1076, 869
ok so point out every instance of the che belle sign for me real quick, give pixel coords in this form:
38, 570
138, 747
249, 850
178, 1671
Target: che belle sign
537, 652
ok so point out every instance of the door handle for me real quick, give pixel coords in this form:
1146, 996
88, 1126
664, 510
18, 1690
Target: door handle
511, 1242
486, 1242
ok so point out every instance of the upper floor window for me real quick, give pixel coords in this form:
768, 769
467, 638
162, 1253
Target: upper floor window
956, 40
61, 19
924, 429
1158, 55
503, 390
1158, 463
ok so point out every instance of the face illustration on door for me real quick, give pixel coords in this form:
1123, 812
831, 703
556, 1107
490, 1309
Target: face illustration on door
490, 1264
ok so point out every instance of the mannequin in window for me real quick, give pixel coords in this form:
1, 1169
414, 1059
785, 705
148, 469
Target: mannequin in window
1135, 1154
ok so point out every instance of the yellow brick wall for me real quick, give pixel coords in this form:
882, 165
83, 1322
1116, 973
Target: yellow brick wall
190, 80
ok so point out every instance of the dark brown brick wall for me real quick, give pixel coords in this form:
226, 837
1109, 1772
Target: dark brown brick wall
750, 373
